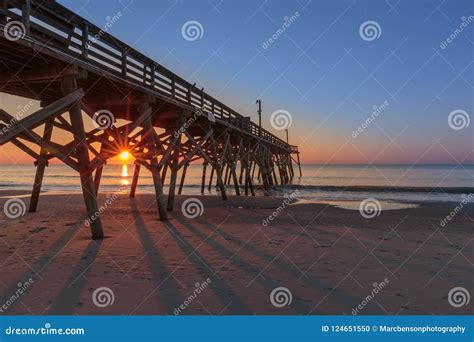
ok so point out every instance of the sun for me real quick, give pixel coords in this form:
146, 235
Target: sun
124, 155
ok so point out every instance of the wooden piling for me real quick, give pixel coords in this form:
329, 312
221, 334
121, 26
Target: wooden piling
136, 173
42, 162
154, 165
299, 164
203, 180
183, 176
174, 173
218, 169
211, 176
82, 154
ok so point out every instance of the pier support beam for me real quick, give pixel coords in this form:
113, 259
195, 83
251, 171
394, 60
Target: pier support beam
174, 172
136, 173
149, 135
183, 176
299, 163
203, 180
98, 174
217, 167
209, 188
41, 162
82, 154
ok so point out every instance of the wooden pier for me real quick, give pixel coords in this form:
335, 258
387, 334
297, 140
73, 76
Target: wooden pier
80, 72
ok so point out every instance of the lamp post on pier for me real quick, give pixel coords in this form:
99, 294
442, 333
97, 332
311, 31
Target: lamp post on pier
259, 102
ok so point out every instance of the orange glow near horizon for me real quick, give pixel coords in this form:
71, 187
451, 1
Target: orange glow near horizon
328, 146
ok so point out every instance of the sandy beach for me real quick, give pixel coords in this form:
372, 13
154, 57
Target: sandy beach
330, 259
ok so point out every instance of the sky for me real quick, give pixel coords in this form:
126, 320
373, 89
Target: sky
321, 68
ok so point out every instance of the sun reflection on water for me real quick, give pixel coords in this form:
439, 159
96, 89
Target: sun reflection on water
124, 175
124, 170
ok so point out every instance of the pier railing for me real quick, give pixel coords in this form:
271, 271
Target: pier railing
61, 29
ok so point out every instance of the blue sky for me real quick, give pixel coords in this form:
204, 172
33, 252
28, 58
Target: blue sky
321, 70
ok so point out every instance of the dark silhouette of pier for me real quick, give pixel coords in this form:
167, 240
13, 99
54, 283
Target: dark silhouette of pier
51, 54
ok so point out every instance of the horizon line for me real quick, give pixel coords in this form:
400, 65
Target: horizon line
306, 164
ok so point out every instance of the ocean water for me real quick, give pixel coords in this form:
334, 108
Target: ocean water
318, 183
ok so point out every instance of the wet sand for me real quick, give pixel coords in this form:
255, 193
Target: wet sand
330, 259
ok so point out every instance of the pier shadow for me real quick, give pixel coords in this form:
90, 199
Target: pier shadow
43, 261
386, 260
253, 272
161, 274
238, 305
68, 300
342, 298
